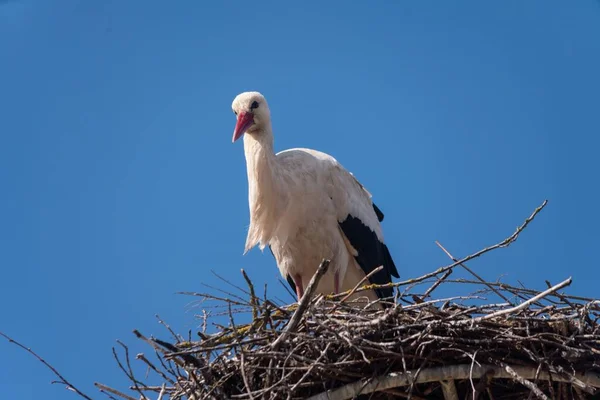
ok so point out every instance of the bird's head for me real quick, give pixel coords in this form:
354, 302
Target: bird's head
252, 114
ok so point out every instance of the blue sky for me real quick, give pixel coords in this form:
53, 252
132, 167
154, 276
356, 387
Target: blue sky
120, 185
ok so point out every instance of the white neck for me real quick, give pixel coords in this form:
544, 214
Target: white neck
265, 196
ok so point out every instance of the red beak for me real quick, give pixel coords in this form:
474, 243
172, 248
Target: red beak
244, 121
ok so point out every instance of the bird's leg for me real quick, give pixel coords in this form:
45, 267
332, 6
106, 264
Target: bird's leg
299, 288
336, 287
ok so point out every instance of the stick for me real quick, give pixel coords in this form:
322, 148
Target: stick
528, 384
142, 357
312, 367
523, 305
104, 388
253, 298
244, 377
163, 390
128, 373
295, 320
369, 275
436, 284
474, 274
505, 243
63, 380
163, 323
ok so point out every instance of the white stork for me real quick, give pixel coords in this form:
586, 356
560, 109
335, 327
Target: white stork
306, 207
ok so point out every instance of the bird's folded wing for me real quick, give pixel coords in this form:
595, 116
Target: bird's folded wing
359, 221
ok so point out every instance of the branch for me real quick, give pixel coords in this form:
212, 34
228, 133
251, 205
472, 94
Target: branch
355, 288
108, 389
62, 381
505, 243
253, 298
142, 357
525, 382
310, 289
474, 274
523, 305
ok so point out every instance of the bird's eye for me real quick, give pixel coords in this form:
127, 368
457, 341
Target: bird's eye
235, 112
254, 105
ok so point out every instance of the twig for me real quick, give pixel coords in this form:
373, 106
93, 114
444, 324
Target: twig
253, 298
156, 347
523, 381
244, 377
518, 290
525, 304
584, 315
62, 381
111, 397
163, 323
473, 358
505, 243
436, 284
163, 390
364, 279
129, 370
312, 367
474, 274
104, 388
142, 357
535, 378
295, 320
227, 282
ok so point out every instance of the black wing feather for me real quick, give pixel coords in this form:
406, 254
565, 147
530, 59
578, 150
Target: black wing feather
378, 212
371, 252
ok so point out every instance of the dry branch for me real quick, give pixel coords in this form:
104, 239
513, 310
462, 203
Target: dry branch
62, 380
310, 290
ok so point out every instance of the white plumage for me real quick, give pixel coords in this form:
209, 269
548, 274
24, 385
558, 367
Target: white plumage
306, 207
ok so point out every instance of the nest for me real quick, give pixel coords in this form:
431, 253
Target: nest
524, 344
548, 345
529, 343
